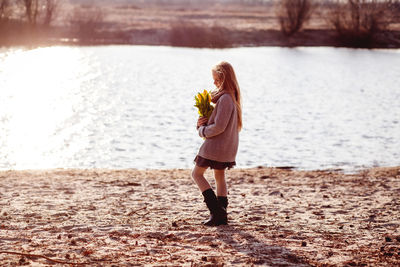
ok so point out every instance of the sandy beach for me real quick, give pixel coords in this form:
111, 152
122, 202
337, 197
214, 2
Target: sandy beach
277, 217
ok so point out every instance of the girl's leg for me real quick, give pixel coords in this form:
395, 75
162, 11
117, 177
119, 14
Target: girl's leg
222, 191
198, 177
219, 175
218, 214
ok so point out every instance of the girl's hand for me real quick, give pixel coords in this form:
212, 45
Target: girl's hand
201, 121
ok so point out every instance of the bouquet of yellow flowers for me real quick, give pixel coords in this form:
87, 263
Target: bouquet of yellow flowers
203, 103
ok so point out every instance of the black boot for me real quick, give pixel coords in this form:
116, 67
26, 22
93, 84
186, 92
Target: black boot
218, 213
223, 201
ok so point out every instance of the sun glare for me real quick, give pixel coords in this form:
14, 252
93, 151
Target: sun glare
38, 86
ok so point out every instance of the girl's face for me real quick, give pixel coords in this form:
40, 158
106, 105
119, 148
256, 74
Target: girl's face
217, 79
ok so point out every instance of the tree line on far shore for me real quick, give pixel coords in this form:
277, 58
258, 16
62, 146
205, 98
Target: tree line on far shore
34, 22
352, 23
355, 23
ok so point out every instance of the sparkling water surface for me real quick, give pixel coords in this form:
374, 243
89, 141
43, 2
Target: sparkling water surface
132, 106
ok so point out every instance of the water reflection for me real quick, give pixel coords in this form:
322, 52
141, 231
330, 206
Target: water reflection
39, 89
132, 106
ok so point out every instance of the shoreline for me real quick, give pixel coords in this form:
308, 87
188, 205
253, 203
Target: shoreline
344, 171
230, 39
276, 217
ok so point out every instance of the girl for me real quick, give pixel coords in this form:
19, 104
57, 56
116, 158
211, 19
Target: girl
221, 133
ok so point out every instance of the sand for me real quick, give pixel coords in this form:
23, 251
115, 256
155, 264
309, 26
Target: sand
277, 217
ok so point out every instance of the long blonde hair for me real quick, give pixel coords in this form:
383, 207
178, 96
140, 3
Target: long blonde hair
225, 72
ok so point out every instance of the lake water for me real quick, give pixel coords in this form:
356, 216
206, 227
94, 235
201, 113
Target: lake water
132, 106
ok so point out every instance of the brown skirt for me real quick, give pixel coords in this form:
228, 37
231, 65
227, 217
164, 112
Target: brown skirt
205, 163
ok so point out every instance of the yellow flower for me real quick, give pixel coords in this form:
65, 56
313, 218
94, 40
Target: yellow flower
203, 103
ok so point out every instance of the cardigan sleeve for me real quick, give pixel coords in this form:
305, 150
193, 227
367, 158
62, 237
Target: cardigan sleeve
224, 112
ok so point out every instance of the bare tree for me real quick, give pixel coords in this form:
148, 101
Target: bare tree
395, 7
31, 10
359, 22
5, 10
40, 11
293, 14
50, 10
